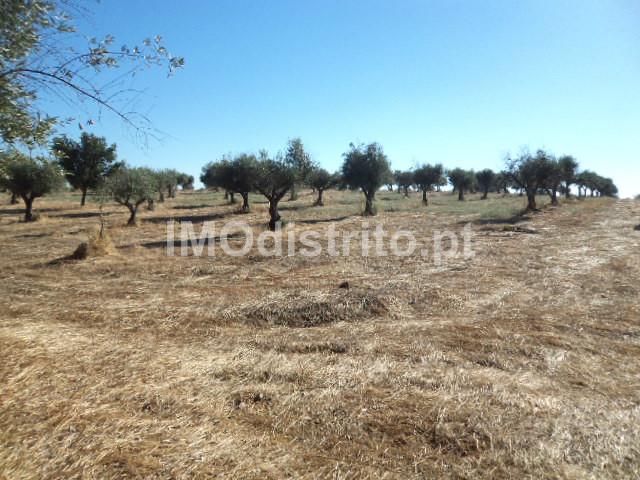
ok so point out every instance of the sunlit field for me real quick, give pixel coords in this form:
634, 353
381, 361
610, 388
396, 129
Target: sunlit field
521, 362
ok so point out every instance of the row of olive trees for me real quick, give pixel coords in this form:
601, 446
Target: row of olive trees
85, 165
531, 174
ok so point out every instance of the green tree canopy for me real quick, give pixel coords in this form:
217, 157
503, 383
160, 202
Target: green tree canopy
130, 187
30, 178
367, 168
85, 163
461, 180
486, 180
321, 180
299, 160
273, 179
427, 177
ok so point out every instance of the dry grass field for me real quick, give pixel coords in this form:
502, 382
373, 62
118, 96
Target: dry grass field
523, 362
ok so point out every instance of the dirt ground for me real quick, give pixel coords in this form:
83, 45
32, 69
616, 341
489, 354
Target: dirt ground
521, 362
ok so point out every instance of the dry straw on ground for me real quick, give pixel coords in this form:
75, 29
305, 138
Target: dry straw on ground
523, 362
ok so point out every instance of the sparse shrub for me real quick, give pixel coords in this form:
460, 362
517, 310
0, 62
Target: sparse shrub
366, 167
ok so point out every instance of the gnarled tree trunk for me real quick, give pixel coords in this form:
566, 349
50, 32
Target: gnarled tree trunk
83, 198
425, 200
461, 194
28, 212
273, 213
369, 209
245, 202
319, 202
133, 209
531, 201
14, 199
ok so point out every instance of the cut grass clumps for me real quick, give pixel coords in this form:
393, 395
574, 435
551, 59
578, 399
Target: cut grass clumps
309, 309
98, 245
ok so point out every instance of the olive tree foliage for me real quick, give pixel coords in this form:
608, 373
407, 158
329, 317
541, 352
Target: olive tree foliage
273, 179
486, 180
130, 187
461, 180
531, 173
321, 180
185, 181
300, 162
85, 163
502, 182
235, 175
568, 170
427, 177
39, 60
595, 184
29, 178
367, 168
404, 180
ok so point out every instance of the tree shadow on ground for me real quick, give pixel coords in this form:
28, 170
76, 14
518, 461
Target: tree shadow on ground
20, 211
177, 244
80, 215
513, 220
314, 221
187, 218
191, 207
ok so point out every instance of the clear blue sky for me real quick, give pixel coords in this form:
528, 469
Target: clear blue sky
456, 82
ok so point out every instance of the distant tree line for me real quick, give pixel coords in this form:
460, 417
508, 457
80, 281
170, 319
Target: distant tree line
91, 164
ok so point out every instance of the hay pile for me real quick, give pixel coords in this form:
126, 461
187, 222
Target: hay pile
98, 245
309, 309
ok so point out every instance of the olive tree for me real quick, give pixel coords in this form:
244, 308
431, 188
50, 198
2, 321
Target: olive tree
405, 181
426, 178
321, 180
235, 175
461, 180
531, 174
502, 182
29, 179
300, 162
130, 187
185, 181
568, 170
85, 163
486, 180
367, 168
273, 179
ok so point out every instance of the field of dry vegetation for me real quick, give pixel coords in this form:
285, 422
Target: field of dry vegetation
523, 362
